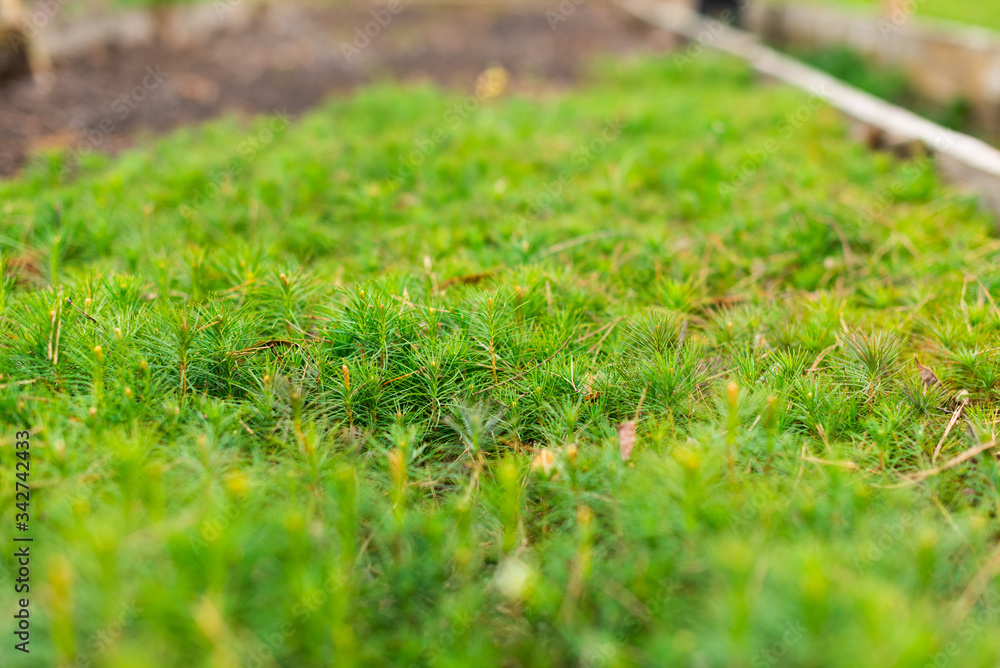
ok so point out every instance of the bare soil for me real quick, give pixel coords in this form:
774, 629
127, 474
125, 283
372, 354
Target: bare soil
293, 57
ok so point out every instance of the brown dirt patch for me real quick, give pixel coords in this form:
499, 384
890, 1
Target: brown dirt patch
290, 58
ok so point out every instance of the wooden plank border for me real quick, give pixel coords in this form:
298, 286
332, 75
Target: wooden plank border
963, 160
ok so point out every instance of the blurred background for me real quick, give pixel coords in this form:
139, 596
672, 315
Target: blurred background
97, 74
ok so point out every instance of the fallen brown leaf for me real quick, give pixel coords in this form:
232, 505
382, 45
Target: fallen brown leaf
470, 279
265, 345
544, 462
929, 377
626, 439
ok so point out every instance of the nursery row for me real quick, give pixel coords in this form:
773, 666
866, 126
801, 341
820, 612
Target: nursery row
662, 371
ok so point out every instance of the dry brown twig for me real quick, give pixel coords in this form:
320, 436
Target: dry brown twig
976, 588
951, 424
829, 462
597, 346
919, 477
18, 383
819, 358
85, 314
600, 329
989, 297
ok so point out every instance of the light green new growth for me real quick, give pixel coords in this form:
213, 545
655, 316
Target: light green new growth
285, 404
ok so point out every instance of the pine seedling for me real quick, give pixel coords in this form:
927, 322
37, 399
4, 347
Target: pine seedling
346, 484
974, 369
373, 326
245, 271
440, 363
885, 428
811, 405
673, 382
870, 360
749, 364
7, 279
228, 343
655, 331
55, 250
681, 296
401, 455
949, 332
983, 424
346, 374
476, 427
175, 349
465, 546
493, 327
582, 564
770, 419
785, 366
98, 375
197, 263
295, 401
510, 487
734, 327
926, 399
563, 420
732, 425
817, 322
60, 580
399, 475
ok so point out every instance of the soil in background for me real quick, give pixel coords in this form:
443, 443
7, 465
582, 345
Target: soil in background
291, 58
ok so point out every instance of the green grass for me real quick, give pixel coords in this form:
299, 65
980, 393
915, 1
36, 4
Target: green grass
287, 387
986, 14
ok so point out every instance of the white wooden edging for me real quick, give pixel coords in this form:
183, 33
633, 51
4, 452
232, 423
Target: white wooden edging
963, 159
